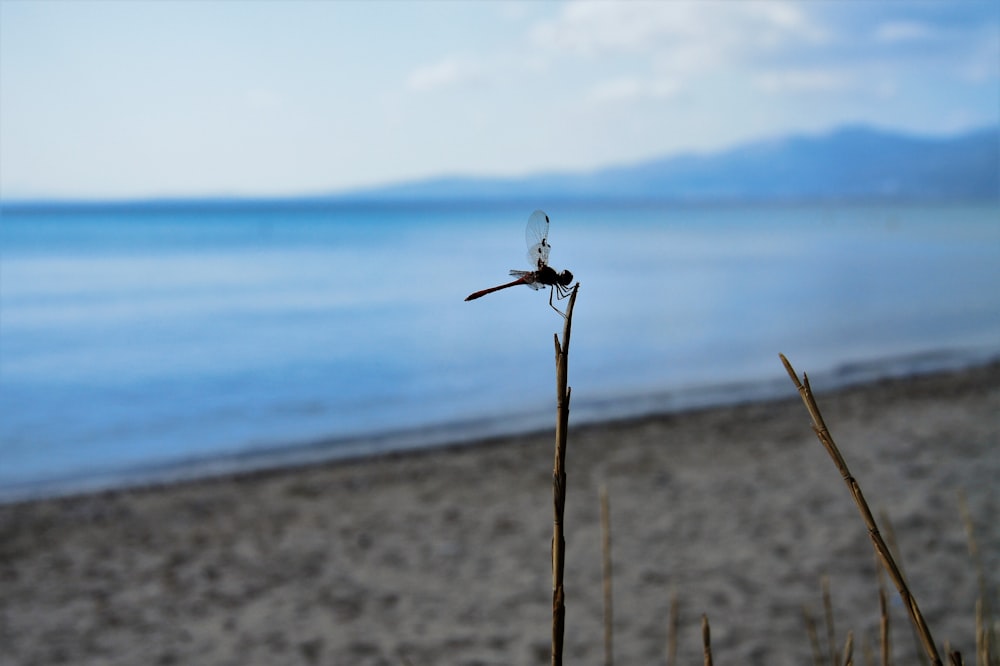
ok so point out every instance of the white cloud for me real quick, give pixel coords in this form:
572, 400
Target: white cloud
617, 89
654, 50
802, 80
629, 88
711, 31
589, 28
447, 73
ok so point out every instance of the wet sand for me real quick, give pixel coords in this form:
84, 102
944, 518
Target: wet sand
442, 556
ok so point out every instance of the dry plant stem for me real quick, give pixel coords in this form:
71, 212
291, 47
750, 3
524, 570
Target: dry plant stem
883, 625
706, 640
819, 426
883, 609
559, 484
890, 540
849, 649
970, 536
609, 658
983, 613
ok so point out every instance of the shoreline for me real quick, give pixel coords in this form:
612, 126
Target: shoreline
442, 555
587, 412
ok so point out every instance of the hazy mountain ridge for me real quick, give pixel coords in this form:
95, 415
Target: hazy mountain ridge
850, 163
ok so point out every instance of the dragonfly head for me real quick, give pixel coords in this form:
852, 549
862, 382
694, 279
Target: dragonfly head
565, 278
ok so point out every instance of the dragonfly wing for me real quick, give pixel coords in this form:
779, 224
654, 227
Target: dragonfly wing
537, 236
529, 278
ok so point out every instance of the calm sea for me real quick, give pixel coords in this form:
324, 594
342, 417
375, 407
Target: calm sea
158, 341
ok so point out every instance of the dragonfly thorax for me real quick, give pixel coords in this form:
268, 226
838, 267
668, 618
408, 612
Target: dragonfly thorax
548, 275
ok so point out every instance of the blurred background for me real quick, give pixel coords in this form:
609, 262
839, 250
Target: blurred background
240, 234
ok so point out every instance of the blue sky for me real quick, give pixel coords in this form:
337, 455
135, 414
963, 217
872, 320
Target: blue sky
174, 98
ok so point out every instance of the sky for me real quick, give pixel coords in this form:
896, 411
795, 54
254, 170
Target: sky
170, 98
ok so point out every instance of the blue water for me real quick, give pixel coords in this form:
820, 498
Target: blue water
146, 341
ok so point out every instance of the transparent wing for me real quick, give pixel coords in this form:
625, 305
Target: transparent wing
537, 236
530, 281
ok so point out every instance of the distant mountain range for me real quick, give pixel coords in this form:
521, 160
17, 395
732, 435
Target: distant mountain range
852, 163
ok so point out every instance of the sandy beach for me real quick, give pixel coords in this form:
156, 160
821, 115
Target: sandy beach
442, 556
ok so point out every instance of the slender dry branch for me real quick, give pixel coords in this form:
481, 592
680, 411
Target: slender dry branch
885, 640
984, 614
609, 658
559, 483
706, 640
849, 650
890, 540
825, 438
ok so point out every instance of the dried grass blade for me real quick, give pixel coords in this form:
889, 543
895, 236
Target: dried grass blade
559, 484
823, 433
706, 640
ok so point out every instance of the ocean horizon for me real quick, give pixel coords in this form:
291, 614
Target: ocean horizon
159, 341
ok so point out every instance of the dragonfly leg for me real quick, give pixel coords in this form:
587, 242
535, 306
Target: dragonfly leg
552, 292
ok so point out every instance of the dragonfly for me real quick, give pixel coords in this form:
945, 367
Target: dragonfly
541, 274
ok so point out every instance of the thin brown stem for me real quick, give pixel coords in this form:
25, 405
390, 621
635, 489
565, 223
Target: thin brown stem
826, 439
849, 650
559, 484
890, 539
983, 612
706, 640
885, 641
